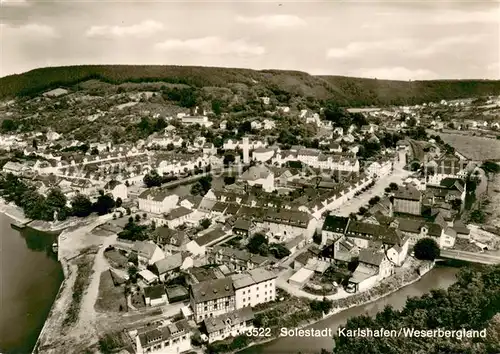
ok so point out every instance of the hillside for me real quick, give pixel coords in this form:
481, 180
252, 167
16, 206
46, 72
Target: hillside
345, 90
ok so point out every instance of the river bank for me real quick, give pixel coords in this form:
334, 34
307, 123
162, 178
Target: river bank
30, 278
389, 287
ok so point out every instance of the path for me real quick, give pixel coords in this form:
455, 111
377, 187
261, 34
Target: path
86, 325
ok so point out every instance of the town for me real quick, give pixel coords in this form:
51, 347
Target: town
189, 229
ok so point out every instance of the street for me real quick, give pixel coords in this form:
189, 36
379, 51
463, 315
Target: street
470, 257
352, 206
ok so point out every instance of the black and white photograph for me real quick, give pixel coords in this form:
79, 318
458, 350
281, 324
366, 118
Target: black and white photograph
249, 177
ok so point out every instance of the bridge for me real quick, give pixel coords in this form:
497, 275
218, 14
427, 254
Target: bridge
469, 257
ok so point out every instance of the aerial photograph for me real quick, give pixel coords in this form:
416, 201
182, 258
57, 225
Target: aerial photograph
249, 177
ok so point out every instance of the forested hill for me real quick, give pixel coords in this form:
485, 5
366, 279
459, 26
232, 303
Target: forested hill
345, 90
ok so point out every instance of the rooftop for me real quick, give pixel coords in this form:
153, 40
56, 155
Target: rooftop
212, 289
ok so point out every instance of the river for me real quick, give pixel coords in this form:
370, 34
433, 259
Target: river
30, 276
440, 277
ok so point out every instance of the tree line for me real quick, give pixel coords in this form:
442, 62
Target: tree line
55, 203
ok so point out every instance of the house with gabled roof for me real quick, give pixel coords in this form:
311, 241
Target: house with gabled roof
147, 252
157, 200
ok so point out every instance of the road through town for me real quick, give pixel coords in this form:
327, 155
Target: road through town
352, 206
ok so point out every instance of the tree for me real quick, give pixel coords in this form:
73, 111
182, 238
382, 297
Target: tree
205, 223
491, 167
374, 200
393, 186
144, 215
255, 242
119, 202
362, 211
279, 251
81, 206
8, 125
137, 218
217, 107
128, 211
104, 204
152, 179
426, 249
35, 144
94, 151
229, 159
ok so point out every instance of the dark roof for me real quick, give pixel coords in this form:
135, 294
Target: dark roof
220, 207
215, 324
212, 289
408, 193
242, 224
210, 237
374, 232
178, 213
460, 227
335, 223
154, 292
371, 256
232, 209
169, 236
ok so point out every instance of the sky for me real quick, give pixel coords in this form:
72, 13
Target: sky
423, 40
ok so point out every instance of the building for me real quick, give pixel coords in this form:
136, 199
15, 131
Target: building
176, 217
168, 266
13, 167
170, 338
231, 324
284, 224
157, 201
236, 260
263, 154
212, 298
116, 189
334, 227
147, 253
243, 227
155, 295
260, 176
447, 166
254, 287
407, 200
372, 268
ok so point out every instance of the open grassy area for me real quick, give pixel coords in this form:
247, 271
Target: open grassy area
84, 264
473, 147
111, 298
116, 259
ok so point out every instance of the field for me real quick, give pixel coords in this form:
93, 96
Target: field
111, 298
345, 90
473, 147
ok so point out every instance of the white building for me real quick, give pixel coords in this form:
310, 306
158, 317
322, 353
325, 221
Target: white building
315, 158
147, 253
157, 201
259, 175
254, 287
155, 295
379, 168
176, 217
171, 338
263, 154
116, 189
